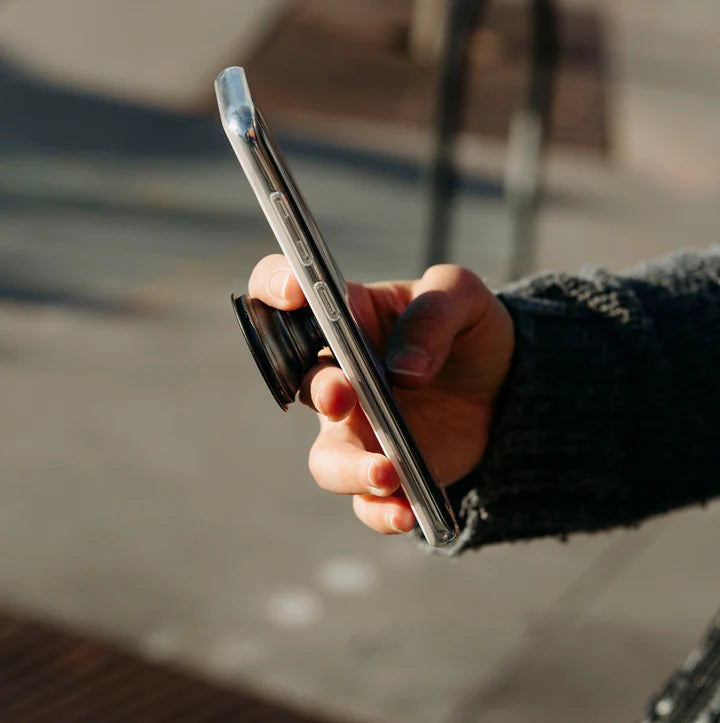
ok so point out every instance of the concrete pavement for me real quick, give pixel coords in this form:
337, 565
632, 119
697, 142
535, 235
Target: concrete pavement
162, 53
152, 492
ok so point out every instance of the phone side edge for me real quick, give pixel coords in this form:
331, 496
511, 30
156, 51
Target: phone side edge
238, 115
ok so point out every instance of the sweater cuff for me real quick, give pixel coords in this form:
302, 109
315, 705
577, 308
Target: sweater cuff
558, 451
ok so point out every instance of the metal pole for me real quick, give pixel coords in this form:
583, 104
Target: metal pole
528, 134
461, 18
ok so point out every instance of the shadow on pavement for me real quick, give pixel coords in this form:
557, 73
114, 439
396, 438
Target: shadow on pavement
39, 116
26, 292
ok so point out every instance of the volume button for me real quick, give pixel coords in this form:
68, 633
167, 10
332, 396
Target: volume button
323, 293
280, 203
298, 242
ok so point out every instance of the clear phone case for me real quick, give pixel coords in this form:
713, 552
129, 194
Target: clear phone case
325, 289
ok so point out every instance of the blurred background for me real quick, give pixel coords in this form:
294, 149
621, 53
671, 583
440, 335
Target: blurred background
162, 543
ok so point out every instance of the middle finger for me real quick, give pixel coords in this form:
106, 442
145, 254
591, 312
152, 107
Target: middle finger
326, 389
340, 463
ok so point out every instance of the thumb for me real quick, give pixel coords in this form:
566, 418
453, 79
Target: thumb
447, 301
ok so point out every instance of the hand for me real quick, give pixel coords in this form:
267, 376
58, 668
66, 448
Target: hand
447, 342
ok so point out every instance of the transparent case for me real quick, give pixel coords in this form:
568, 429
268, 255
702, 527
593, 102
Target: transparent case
325, 289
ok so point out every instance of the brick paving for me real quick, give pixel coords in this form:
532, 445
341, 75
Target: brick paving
50, 675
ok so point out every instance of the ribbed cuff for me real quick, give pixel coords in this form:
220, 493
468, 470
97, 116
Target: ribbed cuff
558, 456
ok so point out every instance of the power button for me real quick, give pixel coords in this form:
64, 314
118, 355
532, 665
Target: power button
323, 293
298, 242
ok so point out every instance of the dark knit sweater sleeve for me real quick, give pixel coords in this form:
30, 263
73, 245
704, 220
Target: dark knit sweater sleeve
611, 410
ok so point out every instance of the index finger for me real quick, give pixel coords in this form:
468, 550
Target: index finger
273, 282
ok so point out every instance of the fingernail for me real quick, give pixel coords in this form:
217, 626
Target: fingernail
317, 398
410, 360
277, 283
392, 520
373, 487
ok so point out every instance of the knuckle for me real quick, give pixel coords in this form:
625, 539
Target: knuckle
455, 277
316, 463
467, 280
427, 315
465, 296
439, 270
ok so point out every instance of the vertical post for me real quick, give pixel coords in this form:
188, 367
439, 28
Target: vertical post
460, 20
528, 134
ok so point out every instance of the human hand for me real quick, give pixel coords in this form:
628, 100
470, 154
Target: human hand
447, 342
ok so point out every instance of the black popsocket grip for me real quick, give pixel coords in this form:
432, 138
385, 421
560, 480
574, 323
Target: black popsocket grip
284, 344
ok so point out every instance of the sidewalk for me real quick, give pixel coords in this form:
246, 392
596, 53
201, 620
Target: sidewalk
164, 54
151, 492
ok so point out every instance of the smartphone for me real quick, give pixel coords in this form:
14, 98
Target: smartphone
326, 293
